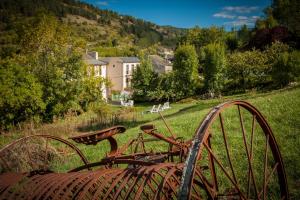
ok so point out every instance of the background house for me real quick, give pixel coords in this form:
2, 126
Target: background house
96, 68
119, 72
160, 65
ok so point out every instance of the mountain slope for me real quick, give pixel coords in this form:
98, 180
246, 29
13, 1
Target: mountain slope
99, 28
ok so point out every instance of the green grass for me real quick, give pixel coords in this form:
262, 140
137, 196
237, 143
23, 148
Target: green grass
281, 108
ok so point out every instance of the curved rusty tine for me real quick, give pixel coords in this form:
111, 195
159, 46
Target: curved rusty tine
140, 173
113, 185
98, 175
83, 158
52, 185
66, 182
84, 184
164, 182
105, 184
70, 188
44, 183
15, 190
8, 180
139, 183
124, 183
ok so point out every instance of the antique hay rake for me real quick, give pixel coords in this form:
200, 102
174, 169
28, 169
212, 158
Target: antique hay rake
233, 155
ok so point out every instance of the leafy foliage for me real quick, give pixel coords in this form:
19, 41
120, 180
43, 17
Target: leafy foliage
214, 64
143, 80
20, 94
286, 68
246, 70
185, 67
55, 62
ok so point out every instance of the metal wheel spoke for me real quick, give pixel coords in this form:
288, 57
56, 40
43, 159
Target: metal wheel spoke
251, 151
224, 170
247, 152
226, 146
212, 168
265, 167
269, 177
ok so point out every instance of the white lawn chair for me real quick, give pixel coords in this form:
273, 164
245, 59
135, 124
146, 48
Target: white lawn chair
130, 103
158, 109
123, 103
150, 111
166, 106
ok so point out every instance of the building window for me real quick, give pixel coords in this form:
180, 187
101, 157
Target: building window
128, 82
97, 70
127, 69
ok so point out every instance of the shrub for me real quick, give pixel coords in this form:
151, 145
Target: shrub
246, 70
286, 68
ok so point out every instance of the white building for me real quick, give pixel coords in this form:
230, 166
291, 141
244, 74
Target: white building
119, 72
96, 67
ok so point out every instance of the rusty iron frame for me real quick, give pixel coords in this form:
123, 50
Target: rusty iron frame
152, 175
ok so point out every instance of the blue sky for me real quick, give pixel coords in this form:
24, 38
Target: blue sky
189, 13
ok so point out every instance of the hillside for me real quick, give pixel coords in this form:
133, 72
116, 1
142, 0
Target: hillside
98, 28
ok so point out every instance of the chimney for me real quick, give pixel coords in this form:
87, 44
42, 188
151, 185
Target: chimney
94, 54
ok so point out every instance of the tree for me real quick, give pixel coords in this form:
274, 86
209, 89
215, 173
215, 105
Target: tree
20, 94
214, 64
165, 88
52, 56
286, 12
186, 70
143, 80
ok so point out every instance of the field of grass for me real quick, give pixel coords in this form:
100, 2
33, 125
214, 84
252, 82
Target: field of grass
281, 108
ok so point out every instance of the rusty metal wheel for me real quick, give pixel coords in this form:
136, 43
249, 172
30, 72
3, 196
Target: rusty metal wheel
40, 153
237, 156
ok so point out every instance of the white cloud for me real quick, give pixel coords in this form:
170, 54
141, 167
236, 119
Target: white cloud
102, 3
224, 15
255, 17
243, 20
241, 9
242, 17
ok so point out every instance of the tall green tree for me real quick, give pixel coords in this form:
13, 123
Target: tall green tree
213, 68
185, 67
286, 12
52, 55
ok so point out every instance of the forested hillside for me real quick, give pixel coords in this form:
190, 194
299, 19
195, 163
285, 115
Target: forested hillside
103, 30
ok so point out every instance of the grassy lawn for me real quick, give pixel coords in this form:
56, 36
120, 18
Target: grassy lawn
281, 108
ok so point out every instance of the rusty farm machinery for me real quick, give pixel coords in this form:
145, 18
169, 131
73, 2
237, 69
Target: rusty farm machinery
233, 155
